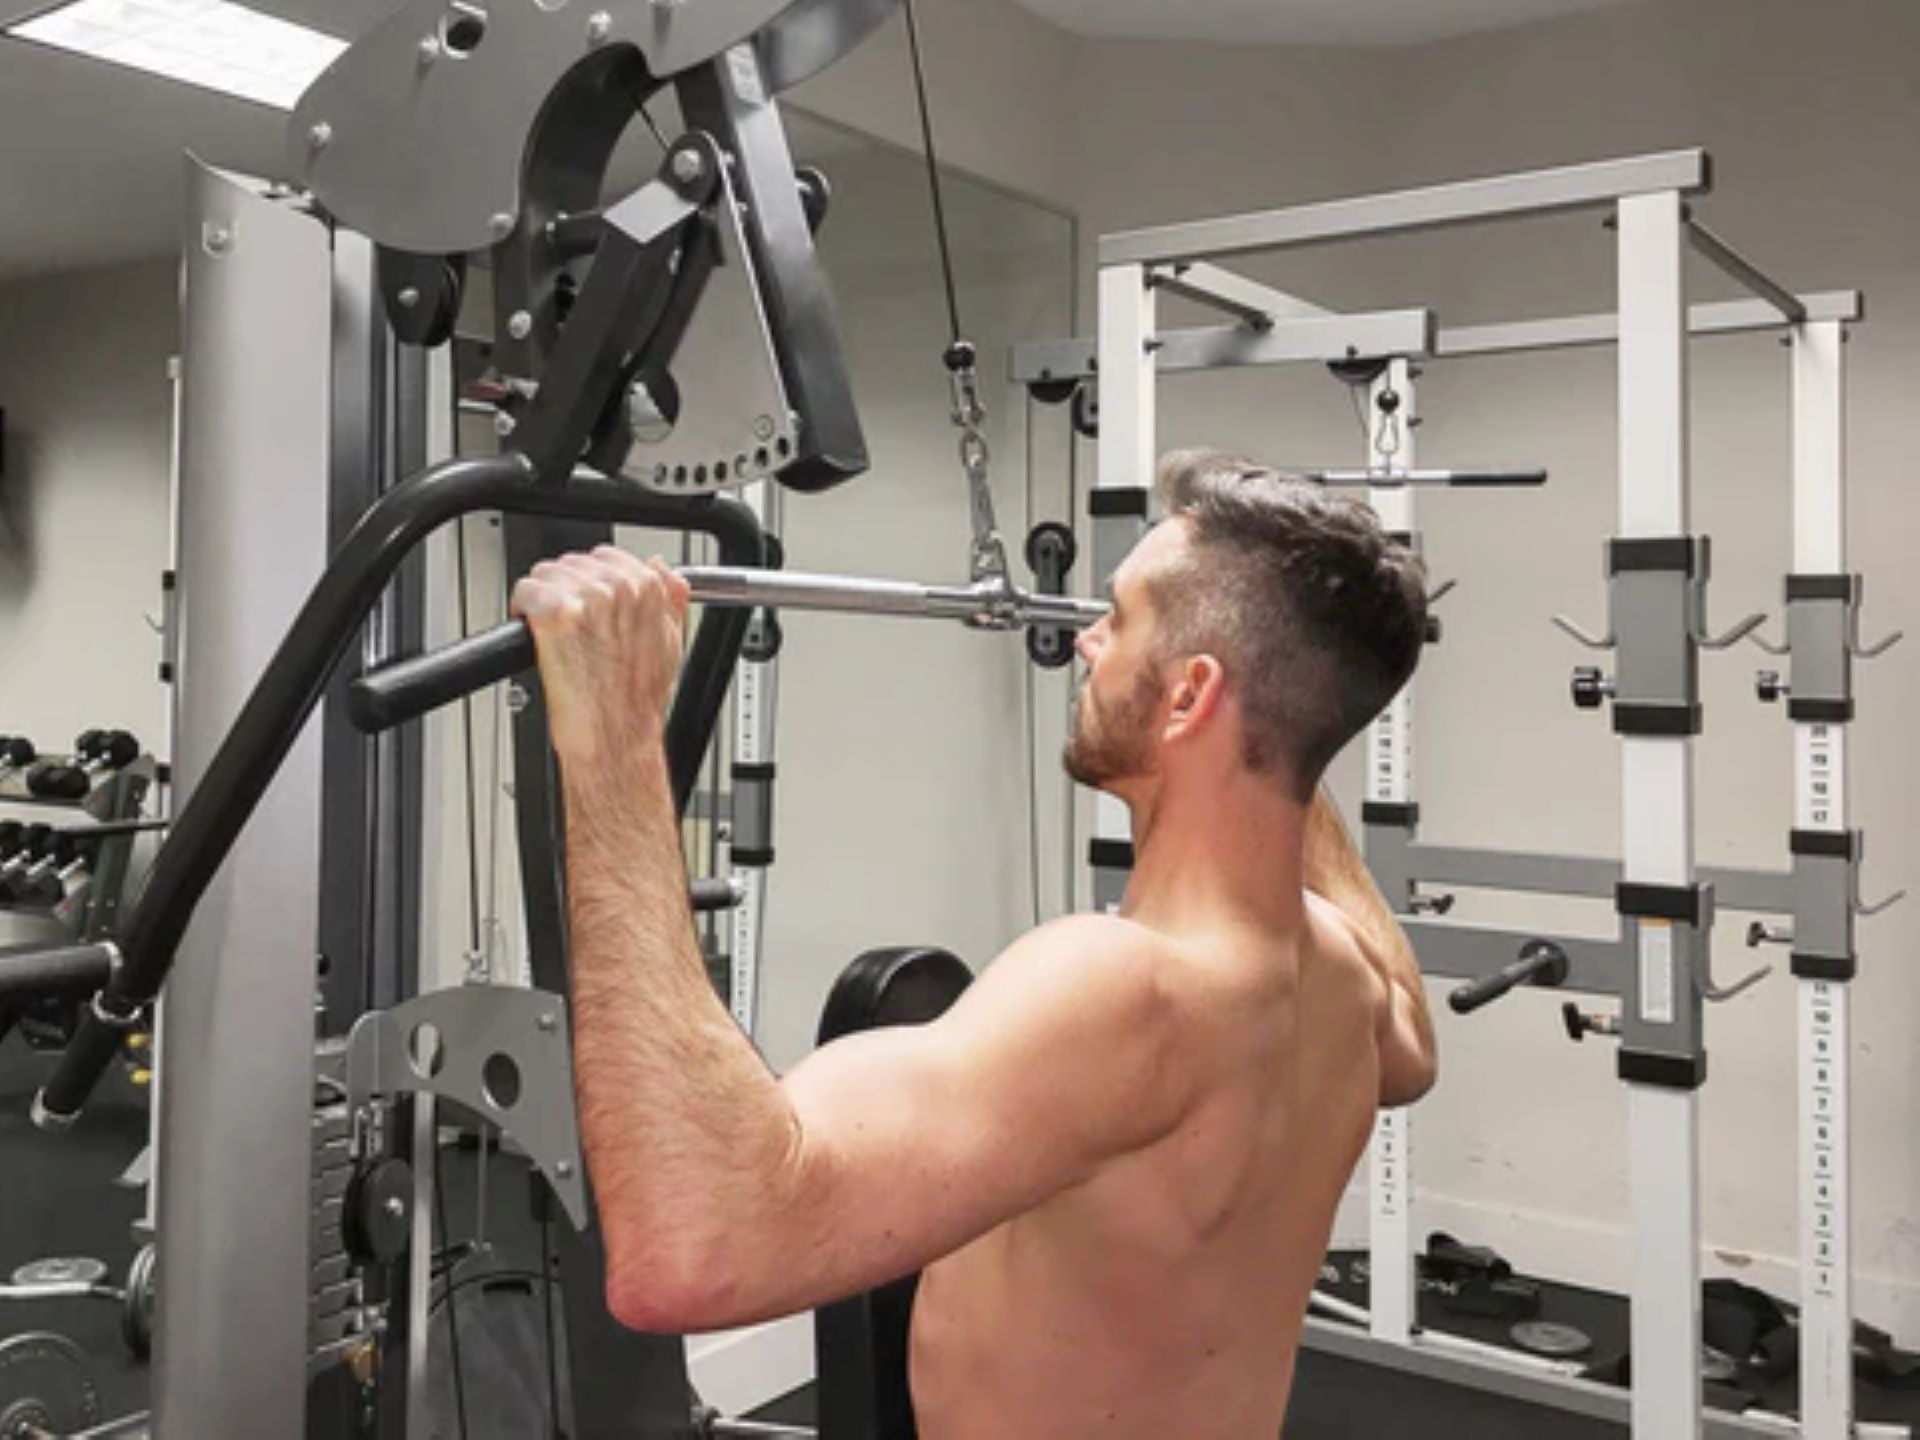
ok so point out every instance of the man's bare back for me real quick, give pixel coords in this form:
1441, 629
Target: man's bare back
1164, 1296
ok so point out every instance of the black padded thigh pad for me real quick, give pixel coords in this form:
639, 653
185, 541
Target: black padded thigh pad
860, 1344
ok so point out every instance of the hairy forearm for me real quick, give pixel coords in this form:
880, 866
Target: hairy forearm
1333, 869
685, 1129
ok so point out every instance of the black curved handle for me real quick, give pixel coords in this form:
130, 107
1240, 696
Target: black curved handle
1541, 963
408, 689
292, 684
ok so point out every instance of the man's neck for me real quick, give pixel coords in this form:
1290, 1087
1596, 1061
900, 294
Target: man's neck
1216, 854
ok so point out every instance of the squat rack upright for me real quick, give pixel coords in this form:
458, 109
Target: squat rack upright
1658, 966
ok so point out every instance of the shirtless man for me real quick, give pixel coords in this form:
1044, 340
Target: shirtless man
1118, 1156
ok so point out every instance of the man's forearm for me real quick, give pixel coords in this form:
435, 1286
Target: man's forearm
682, 1122
1334, 870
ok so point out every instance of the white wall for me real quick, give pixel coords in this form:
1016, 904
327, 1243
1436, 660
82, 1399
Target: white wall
83, 501
1810, 113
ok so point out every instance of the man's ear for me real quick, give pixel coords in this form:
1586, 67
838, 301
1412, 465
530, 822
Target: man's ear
1199, 690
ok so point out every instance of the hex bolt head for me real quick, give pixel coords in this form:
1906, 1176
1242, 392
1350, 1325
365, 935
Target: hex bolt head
689, 166
520, 325
599, 27
320, 136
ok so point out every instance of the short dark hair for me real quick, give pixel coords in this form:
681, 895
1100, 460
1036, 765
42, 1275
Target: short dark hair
1317, 615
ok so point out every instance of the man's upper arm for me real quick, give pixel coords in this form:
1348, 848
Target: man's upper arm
912, 1141
1405, 1048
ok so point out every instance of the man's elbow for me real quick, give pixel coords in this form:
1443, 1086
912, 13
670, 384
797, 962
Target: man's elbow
680, 1290
1408, 1078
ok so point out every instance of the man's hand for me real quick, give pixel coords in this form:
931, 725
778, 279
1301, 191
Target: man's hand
609, 630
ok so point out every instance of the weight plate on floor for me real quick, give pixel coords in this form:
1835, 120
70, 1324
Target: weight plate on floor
62, 1270
136, 1309
1544, 1337
46, 1387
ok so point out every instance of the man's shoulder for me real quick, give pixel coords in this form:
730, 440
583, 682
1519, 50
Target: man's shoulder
1086, 959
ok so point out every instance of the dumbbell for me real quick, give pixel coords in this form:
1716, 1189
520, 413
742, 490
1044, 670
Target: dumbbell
31, 842
11, 833
95, 752
24, 885
49, 882
16, 753
101, 750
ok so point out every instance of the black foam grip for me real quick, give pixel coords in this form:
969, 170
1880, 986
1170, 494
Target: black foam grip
409, 689
34, 973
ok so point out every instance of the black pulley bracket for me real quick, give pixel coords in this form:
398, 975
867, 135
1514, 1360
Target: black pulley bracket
377, 1221
1051, 551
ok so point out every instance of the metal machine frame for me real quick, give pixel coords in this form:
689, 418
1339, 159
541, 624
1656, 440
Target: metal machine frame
1658, 966
522, 106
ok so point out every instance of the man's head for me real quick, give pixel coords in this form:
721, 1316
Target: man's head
1264, 623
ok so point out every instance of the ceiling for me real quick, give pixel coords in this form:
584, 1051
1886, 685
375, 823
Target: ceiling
91, 154
1300, 22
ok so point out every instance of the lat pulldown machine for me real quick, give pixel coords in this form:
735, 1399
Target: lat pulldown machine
458, 128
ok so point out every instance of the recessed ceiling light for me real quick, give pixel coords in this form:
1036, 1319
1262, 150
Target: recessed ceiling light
214, 44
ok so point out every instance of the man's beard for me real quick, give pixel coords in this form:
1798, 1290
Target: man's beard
1116, 744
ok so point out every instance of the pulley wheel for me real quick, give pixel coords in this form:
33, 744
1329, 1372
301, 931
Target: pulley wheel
1544, 1337
46, 1388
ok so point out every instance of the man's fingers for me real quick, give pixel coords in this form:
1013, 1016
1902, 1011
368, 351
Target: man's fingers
537, 599
678, 591
597, 582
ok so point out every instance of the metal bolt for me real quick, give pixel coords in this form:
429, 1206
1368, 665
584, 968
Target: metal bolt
501, 225
409, 298
517, 700
429, 51
564, 1169
504, 424
549, 1021
599, 27
395, 1207
218, 239
689, 166
520, 325
763, 427
320, 136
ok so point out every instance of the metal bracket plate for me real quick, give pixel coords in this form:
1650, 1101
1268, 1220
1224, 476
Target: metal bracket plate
745, 432
419, 134
501, 1052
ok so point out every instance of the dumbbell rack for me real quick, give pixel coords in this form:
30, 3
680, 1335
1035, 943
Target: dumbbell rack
113, 805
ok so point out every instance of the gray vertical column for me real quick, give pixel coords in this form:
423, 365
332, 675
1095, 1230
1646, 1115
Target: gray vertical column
1118, 504
232, 1334
1667, 921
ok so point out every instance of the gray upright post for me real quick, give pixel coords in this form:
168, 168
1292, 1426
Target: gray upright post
1119, 502
1657, 847
234, 1211
1389, 808
1822, 596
